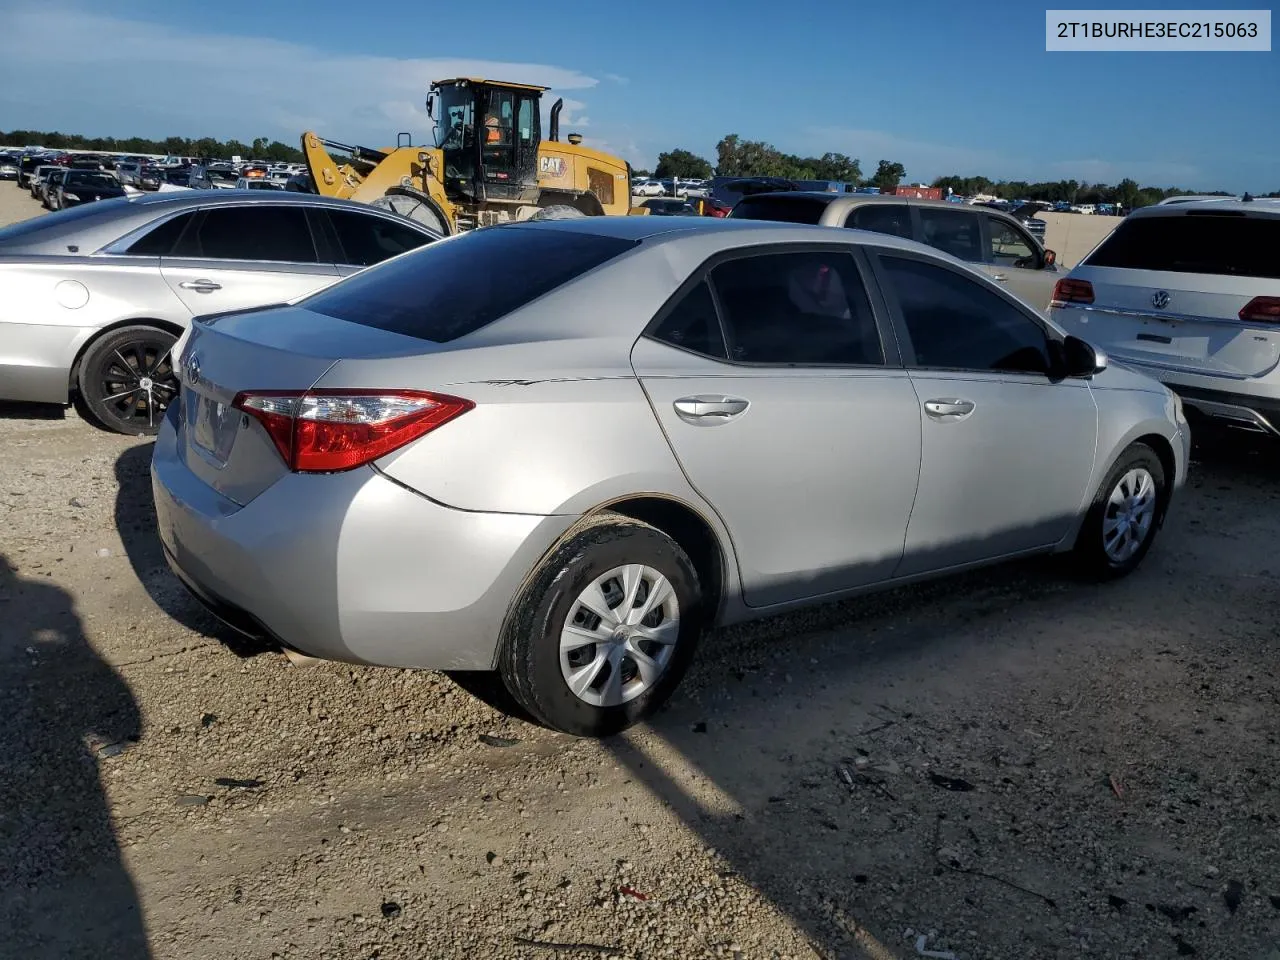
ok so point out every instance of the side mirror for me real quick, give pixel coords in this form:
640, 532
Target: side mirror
1080, 359
431, 106
1050, 258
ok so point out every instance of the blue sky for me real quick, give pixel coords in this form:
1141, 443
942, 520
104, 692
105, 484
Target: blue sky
942, 87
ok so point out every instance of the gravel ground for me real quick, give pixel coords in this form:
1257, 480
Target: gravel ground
1010, 764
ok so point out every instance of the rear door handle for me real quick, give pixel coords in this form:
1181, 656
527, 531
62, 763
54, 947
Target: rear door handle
948, 408
710, 407
999, 278
200, 286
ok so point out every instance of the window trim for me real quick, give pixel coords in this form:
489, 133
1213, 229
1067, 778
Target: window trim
875, 255
990, 259
878, 306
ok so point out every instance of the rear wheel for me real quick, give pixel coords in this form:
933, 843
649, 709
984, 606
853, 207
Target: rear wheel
605, 629
127, 379
413, 209
1127, 510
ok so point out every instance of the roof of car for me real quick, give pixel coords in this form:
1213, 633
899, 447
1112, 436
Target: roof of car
679, 228
853, 199
1261, 207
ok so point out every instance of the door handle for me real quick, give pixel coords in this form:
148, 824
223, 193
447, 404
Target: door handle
710, 407
948, 408
999, 278
200, 286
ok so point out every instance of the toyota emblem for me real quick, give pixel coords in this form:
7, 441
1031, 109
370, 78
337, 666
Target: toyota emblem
1160, 299
193, 370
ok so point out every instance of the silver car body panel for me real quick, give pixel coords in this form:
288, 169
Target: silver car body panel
67, 280
828, 482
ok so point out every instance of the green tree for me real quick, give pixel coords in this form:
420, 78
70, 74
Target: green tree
682, 164
836, 166
889, 174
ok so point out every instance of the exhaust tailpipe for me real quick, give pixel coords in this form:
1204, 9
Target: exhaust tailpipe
556, 107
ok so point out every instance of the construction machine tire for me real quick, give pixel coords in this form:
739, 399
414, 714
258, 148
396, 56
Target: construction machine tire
559, 211
416, 207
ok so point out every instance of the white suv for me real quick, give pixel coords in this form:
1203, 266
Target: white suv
1190, 294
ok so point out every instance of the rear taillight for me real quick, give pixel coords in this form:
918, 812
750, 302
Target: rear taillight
1261, 310
325, 431
1067, 290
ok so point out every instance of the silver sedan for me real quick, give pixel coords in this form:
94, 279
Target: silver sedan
563, 450
96, 296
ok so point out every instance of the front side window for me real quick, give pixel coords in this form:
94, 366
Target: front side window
259, 232
954, 231
891, 218
797, 308
955, 323
1008, 246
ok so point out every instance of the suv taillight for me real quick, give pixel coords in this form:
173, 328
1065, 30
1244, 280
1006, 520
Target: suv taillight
1067, 290
326, 431
1261, 310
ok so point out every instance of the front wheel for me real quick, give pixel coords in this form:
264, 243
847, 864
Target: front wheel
1126, 513
127, 379
605, 629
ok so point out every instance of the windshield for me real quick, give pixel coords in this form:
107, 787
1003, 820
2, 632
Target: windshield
77, 178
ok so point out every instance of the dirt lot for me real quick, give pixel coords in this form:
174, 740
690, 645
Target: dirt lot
1009, 765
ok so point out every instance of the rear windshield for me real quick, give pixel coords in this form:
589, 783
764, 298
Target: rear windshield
1218, 243
785, 209
454, 287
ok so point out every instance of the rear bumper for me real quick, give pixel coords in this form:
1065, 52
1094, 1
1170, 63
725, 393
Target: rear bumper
348, 566
1245, 412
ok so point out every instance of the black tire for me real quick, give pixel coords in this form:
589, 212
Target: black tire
529, 653
1090, 554
412, 208
136, 357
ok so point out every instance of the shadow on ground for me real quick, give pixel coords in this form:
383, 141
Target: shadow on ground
65, 892
12, 410
1010, 764
135, 517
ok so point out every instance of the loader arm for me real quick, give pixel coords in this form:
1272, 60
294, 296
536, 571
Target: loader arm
331, 178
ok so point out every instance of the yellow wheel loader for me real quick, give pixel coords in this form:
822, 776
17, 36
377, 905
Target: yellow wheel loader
490, 164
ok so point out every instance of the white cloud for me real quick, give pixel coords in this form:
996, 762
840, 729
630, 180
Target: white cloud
109, 76
614, 78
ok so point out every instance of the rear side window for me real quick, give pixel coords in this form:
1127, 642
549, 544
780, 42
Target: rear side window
952, 231
693, 325
366, 240
451, 288
160, 241
783, 209
1218, 244
797, 308
259, 232
891, 218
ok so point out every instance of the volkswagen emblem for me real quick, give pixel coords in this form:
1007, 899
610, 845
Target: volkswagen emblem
193, 370
1160, 299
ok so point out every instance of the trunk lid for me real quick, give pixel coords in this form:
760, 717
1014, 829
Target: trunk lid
286, 348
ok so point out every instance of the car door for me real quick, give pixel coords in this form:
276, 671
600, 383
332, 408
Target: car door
1007, 447
790, 415
360, 240
246, 255
1014, 259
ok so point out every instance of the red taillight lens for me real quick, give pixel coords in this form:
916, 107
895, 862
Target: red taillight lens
1261, 310
1067, 290
326, 431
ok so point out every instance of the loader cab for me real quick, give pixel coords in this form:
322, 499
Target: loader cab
489, 134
